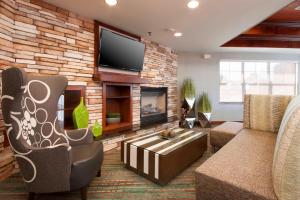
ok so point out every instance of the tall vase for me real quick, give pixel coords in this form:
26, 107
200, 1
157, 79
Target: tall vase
97, 130
80, 115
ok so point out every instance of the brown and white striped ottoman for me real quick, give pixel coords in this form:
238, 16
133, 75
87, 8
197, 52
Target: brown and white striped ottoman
160, 160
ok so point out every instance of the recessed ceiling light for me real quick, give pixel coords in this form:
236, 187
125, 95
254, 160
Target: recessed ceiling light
193, 4
177, 34
111, 2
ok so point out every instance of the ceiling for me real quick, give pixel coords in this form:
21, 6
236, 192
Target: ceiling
281, 30
204, 29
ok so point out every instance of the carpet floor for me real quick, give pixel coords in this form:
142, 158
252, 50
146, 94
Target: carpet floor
116, 182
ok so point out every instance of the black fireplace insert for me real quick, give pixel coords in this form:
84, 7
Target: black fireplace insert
154, 105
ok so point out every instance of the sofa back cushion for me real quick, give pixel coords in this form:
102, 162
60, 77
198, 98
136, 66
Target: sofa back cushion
264, 112
286, 162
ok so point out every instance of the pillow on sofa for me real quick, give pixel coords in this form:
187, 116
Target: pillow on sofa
286, 162
264, 112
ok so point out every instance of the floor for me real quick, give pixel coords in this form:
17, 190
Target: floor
116, 182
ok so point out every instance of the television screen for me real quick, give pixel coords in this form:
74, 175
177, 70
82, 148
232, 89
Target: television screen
120, 52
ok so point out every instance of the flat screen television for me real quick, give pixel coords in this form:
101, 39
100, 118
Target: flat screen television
120, 52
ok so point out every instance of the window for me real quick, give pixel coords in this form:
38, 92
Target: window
256, 77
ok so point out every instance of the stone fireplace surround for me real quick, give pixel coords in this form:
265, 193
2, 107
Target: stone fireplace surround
45, 39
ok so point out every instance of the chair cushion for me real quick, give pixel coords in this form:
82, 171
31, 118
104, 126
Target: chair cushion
86, 162
222, 134
286, 163
240, 170
264, 112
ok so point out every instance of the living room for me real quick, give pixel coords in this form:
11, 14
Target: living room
114, 99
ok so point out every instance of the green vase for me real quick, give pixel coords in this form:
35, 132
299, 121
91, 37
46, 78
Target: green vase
80, 115
97, 129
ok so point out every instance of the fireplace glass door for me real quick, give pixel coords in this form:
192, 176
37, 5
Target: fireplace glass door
153, 105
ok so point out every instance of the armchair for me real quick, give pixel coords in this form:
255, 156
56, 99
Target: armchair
50, 159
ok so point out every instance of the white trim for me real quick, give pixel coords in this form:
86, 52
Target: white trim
33, 166
15, 113
58, 133
138, 138
179, 143
146, 161
51, 132
55, 146
7, 97
25, 88
19, 124
47, 88
133, 156
145, 141
17, 152
25, 104
45, 140
167, 141
86, 132
125, 152
156, 166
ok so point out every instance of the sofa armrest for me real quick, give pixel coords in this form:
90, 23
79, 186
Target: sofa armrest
46, 170
79, 136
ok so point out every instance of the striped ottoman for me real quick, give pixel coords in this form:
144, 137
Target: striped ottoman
160, 160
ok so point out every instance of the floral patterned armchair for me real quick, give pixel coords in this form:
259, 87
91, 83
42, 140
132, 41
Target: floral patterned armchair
50, 159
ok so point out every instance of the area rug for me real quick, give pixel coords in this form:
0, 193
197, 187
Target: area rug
116, 182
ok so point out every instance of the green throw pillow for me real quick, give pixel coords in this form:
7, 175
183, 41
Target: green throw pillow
80, 115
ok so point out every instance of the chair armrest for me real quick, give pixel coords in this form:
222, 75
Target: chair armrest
47, 170
79, 136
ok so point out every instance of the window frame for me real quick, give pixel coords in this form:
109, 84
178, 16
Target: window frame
269, 84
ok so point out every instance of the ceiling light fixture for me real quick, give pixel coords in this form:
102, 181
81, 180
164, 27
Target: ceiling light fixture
193, 4
111, 2
177, 34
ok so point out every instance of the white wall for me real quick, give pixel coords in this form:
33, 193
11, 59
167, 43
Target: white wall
205, 74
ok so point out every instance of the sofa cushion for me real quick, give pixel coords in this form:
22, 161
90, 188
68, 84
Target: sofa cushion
222, 134
264, 112
240, 170
286, 163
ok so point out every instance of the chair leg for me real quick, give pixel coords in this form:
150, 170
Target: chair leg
83, 192
31, 196
99, 173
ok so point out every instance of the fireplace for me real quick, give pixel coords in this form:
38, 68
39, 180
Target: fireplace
154, 105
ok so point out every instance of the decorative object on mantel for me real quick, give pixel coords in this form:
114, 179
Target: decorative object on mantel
97, 129
80, 115
204, 110
188, 93
113, 118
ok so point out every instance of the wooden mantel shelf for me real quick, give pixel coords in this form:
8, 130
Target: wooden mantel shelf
118, 78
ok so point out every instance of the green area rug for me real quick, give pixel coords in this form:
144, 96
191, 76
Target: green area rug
116, 182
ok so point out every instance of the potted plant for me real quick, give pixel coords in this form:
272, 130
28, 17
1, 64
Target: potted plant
204, 110
113, 118
188, 92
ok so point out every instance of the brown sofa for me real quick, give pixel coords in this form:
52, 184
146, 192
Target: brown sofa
242, 169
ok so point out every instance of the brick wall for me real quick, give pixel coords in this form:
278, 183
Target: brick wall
45, 39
